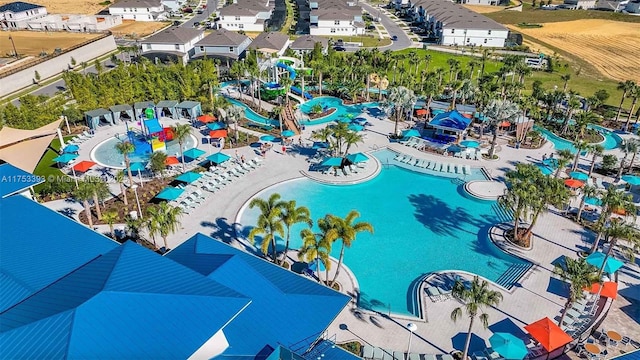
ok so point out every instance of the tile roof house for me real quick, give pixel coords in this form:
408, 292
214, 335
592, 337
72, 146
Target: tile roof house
246, 15
306, 43
139, 10
174, 42
223, 44
271, 43
16, 15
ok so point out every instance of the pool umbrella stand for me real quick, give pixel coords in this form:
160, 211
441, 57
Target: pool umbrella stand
509, 346
631, 179
171, 160
216, 126
189, 177
313, 266
573, 183
169, 193
83, 166
608, 289
194, 153
332, 161
267, 138
217, 134
288, 133
206, 118
218, 158
70, 149
548, 334
611, 265
470, 144
410, 132
357, 158
578, 175
65, 158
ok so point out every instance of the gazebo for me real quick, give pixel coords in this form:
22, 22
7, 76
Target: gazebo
117, 111
169, 105
93, 117
141, 106
449, 124
192, 108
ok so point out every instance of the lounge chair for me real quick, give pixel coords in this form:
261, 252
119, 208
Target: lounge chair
378, 354
444, 167
434, 294
458, 168
400, 157
467, 169
398, 355
415, 162
428, 357
423, 163
452, 169
476, 156
367, 352
246, 167
413, 356
387, 354
408, 160
434, 165
599, 183
445, 293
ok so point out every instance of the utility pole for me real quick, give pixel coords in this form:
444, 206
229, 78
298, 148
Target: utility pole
15, 52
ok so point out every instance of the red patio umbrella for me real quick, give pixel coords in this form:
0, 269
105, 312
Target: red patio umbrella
548, 334
83, 166
505, 124
218, 133
609, 289
421, 112
207, 118
171, 160
573, 183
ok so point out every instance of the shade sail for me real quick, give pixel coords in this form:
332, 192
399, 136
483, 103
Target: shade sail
171, 160
611, 265
65, 158
71, 148
206, 118
216, 125
83, 166
410, 132
607, 289
357, 157
332, 161
288, 133
189, 177
218, 158
509, 346
194, 153
169, 193
578, 175
548, 334
573, 183
218, 133
632, 179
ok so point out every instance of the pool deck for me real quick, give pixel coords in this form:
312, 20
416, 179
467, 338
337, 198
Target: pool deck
536, 296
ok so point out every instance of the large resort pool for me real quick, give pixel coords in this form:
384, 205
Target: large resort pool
422, 224
611, 139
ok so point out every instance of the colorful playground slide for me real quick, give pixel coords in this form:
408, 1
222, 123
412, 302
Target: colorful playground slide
292, 75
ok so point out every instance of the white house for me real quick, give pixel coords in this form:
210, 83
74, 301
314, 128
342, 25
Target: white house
17, 14
139, 10
175, 42
223, 44
336, 18
453, 24
271, 43
579, 4
246, 15
174, 5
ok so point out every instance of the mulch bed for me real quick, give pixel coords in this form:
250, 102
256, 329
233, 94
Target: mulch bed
322, 114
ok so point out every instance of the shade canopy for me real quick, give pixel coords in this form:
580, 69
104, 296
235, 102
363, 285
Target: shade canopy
607, 289
356, 127
218, 158
332, 161
320, 145
553, 162
218, 134
138, 166
206, 118
410, 132
359, 121
171, 160
509, 346
216, 125
578, 175
610, 266
548, 334
288, 133
631, 179
83, 166
71, 148
313, 266
593, 201
470, 144
169, 193
451, 121
194, 153
573, 183
65, 158
357, 157
267, 138
189, 177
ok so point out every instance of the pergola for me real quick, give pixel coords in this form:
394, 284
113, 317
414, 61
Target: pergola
193, 109
117, 111
169, 105
93, 117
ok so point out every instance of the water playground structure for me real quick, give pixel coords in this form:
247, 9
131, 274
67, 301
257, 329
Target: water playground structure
276, 69
151, 138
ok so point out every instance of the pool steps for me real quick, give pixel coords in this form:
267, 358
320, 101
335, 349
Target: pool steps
510, 277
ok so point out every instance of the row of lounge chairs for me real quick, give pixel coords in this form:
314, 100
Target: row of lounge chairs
472, 155
375, 353
598, 184
344, 171
79, 139
437, 294
579, 316
433, 165
190, 199
218, 177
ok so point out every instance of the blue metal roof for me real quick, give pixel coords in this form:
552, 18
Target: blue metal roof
18, 6
279, 297
127, 303
451, 120
14, 180
40, 248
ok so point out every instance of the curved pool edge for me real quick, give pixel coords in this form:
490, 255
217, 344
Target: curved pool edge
345, 180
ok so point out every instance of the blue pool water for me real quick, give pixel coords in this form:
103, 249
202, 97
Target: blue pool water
611, 139
333, 102
106, 153
252, 115
422, 223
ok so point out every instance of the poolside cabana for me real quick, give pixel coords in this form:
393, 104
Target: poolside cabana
465, 109
193, 109
94, 117
450, 124
141, 106
438, 107
117, 110
169, 106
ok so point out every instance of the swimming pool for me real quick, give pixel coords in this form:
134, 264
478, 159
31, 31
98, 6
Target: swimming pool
422, 224
333, 102
611, 139
106, 154
252, 115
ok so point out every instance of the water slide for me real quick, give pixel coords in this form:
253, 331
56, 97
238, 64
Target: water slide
296, 90
292, 75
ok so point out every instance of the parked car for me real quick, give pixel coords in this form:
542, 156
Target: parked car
177, 23
196, 24
187, 10
394, 38
199, 12
339, 48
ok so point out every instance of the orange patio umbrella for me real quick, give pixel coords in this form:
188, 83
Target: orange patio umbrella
421, 112
573, 183
171, 160
83, 166
609, 289
505, 124
207, 118
548, 334
218, 133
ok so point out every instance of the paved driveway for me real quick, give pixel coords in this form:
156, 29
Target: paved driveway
403, 41
211, 8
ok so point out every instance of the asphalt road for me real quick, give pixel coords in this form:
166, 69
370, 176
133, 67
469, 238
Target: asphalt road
393, 29
211, 8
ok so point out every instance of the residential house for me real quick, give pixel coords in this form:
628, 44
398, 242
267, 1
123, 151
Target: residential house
579, 4
480, 2
224, 44
271, 43
175, 42
139, 10
246, 15
336, 18
75, 23
453, 24
307, 43
17, 14
174, 5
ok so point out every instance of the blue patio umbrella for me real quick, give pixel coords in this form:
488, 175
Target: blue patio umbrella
611, 266
218, 158
357, 157
267, 138
593, 201
194, 153
216, 125
332, 161
65, 158
410, 132
632, 179
313, 266
470, 144
138, 166
344, 120
579, 175
509, 346
169, 193
545, 169
553, 162
71, 148
189, 177
288, 133
356, 127
359, 121
320, 145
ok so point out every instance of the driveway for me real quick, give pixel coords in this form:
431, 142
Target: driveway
212, 6
393, 29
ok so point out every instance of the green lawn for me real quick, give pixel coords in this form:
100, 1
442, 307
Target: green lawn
439, 60
531, 15
289, 20
46, 166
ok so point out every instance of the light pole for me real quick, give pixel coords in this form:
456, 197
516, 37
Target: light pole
15, 52
135, 191
412, 328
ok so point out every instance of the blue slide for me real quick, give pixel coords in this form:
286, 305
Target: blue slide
292, 72
296, 90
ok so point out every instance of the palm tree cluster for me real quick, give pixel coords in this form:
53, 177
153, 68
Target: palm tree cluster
339, 137
277, 218
33, 112
92, 188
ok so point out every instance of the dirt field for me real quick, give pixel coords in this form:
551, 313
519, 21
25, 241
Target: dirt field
33, 43
610, 46
483, 9
67, 6
137, 29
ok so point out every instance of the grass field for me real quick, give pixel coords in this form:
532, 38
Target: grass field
137, 29
87, 7
46, 166
531, 15
34, 42
482, 9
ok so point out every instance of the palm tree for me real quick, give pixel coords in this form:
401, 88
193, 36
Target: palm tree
286, 83
573, 103
625, 87
269, 223
475, 298
120, 180
580, 147
578, 274
290, 214
181, 132
583, 120
317, 246
497, 112
234, 114
612, 200
133, 226
520, 193
84, 192
565, 156
277, 113
347, 231
616, 231
633, 146
565, 78
454, 87
166, 220
596, 151
634, 93
158, 162
110, 217
486, 53
351, 138
550, 191
100, 191
587, 192
125, 148
628, 147
401, 98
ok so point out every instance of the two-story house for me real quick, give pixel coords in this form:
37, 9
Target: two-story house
579, 4
16, 15
173, 43
223, 44
306, 43
139, 10
245, 15
270, 43
336, 18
